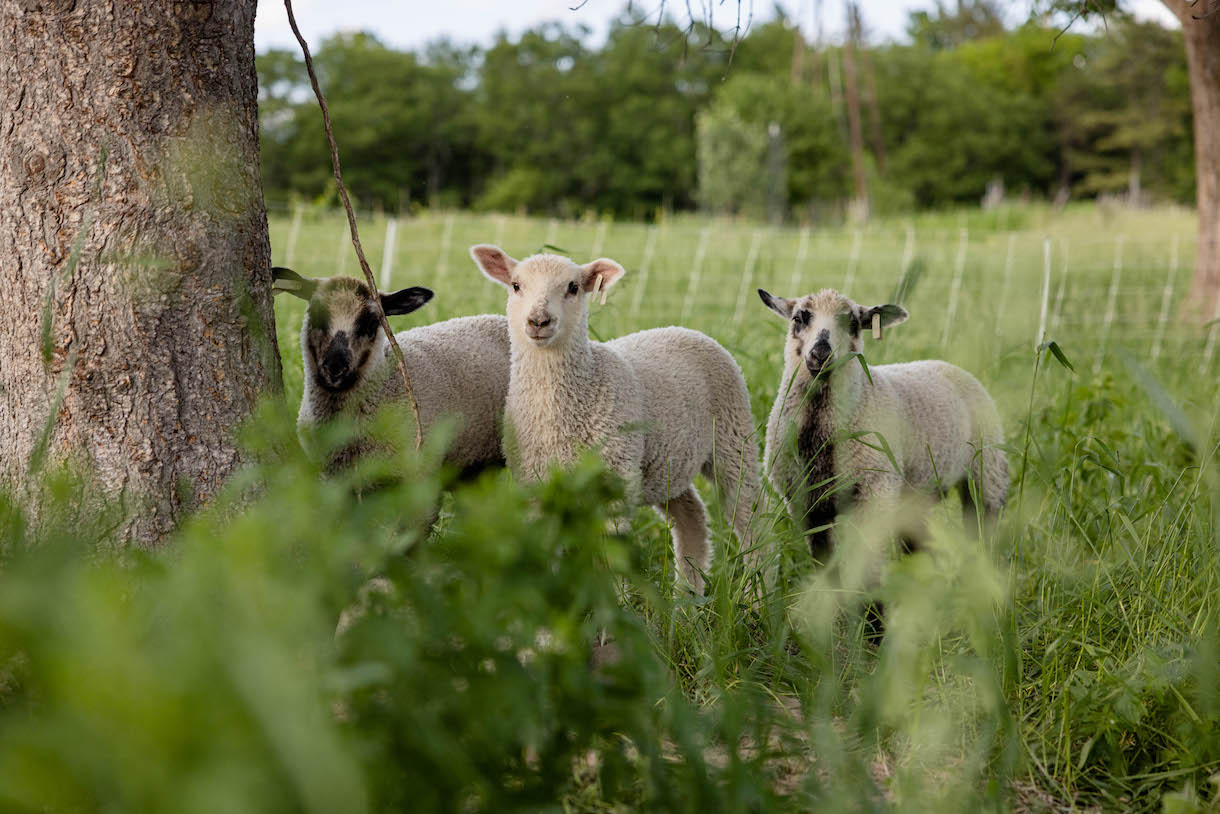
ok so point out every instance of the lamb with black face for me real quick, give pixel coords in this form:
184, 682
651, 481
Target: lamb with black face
342, 330
823, 454
458, 368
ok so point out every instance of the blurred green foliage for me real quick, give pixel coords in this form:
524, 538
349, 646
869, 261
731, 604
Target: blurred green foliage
1069, 661
552, 123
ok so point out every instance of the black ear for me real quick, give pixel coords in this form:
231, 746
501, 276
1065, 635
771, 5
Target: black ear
779, 305
404, 301
288, 280
890, 315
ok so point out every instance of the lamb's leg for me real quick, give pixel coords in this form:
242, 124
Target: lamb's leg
692, 550
988, 480
734, 469
880, 493
822, 513
970, 509
994, 483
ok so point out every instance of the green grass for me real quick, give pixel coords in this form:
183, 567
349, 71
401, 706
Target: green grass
1069, 661
1102, 580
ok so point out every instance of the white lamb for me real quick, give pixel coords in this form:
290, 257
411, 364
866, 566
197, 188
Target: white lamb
661, 405
941, 426
458, 368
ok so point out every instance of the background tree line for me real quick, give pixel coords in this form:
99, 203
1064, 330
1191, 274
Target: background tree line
662, 117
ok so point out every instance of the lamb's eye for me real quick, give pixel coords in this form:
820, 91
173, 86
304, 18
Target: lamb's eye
572, 289
516, 287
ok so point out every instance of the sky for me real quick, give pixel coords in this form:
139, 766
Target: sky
410, 25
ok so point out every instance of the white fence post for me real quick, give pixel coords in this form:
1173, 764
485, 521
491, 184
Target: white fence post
599, 241
1111, 303
802, 249
908, 250
345, 245
501, 221
689, 302
1046, 290
747, 277
1008, 257
1211, 336
650, 245
442, 264
552, 232
387, 253
1057, 316
955, 289
1166, 298
853, 262
294, 232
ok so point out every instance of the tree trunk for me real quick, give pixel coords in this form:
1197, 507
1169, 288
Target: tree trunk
874, 110
129, 135
855, 129
1203, 64
798, 55
1135, 193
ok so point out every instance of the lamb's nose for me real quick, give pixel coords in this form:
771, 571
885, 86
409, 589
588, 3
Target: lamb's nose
540, 322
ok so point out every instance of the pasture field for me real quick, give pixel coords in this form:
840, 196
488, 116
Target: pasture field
1069, 661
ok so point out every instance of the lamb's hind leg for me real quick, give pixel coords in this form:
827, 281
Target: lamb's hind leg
970, 509
692, 549
988, 481
733, 467
995, 482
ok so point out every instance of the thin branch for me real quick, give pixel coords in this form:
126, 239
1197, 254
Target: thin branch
1084, 8
351, 222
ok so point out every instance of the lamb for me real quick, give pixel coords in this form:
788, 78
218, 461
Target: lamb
458, 368
939, 423
661, 405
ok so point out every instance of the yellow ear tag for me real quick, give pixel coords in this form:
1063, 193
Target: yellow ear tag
876, 326
286, 285
597, 287
605, 290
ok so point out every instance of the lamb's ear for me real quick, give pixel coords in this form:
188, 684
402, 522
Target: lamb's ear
890, 315
779, 305
607, 270
493, 262
288, 280
404, 301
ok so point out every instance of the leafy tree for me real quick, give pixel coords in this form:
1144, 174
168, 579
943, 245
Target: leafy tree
612, 129
1125, 113
732, 160
949, 131
733, 145
944, 28
406, 120
548, 122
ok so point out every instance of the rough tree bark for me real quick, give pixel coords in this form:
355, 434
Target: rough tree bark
131, 127
1203, 64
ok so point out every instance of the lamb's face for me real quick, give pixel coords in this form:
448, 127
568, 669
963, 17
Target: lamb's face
546, 293
826, 326
546, 299
341, 332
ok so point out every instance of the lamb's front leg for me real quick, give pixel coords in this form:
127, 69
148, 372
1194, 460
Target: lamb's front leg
692, 550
